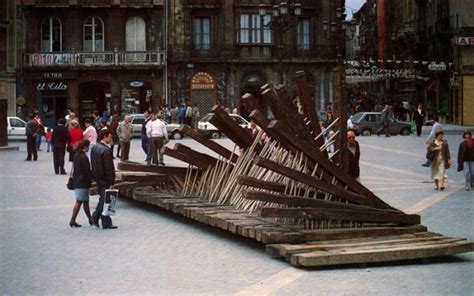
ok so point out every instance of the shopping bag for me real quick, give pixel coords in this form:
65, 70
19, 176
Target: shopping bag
110, 202
413, 127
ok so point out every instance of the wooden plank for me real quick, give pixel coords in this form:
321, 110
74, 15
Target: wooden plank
254, 182
185, 158
319, 258
151, 178
211, 161
251, 103
167, 170
340, 111
222, 151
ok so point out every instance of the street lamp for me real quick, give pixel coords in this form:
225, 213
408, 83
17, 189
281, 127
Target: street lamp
285, 17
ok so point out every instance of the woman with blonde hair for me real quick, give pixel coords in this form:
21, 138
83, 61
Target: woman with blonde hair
440, 160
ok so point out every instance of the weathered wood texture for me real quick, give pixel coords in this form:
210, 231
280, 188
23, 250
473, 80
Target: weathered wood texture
167, 170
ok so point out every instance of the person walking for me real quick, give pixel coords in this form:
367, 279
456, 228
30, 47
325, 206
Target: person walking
353, 155
419, 117
441, 160
125, 134
97, 120
145, 141
31, 132
385, 118
59, 141
156, 131
75, 136
196, 115
90, 134
466, 159
103, 172
82, 179
437, 127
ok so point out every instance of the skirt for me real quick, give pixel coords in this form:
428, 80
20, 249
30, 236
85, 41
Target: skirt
82, 194
438, 171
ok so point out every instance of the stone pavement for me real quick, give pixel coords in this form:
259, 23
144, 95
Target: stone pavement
154, 252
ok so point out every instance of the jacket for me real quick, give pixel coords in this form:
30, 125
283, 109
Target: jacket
103, 170
464, 154
444, 150
31, 128
124, 132
60, 137
82, 175
418, 118
353, 162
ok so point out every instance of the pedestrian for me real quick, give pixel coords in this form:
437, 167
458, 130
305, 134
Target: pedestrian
97, 120
113, 129
48, 136
441, 160
385, 118
89, 134
75, 136
125, 134
145, 141
106, 115
103, 172
59, 140
70, 117
419, 118
196, 115
353, 156
31, 132
40, 131
156, 131
82, 179
189, 116
181, 114
466, 159
437, 127
174, 114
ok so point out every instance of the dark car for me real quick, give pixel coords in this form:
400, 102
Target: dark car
367, 123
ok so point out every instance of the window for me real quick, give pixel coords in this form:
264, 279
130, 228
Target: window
135, 34
202, 33
93, 34
254, 29
51, 35
17, 123
304, 34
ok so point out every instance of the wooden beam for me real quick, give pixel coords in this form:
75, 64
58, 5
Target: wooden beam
251, 103
222, 151
186, 158
342, 214
307, 103
211, 161
156, 178
167, 170
254, 182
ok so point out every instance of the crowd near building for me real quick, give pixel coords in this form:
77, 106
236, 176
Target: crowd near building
127, 56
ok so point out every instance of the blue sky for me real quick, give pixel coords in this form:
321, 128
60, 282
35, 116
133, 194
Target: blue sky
353, 5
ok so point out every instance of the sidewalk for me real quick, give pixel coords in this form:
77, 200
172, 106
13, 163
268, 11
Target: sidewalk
449, 128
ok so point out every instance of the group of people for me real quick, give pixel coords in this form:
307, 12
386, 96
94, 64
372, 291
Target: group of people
153, 136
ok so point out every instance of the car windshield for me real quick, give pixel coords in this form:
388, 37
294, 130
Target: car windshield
206, 118
356, 117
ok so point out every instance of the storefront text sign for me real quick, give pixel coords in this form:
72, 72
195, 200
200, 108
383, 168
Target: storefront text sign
465, 41
136, 84
437, 67
52, 86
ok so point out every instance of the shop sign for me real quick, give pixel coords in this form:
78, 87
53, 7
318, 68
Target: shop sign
52, 86
437, 67
136, 84
465, 41
53, 75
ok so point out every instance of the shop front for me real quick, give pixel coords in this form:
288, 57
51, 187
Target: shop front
136, 97
203, 92
94, 95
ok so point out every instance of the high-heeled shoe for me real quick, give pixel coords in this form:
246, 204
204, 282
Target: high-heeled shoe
74, 224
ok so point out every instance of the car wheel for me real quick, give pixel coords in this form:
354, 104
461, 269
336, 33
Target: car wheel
176, 135
215, 135
366, 133
405, 132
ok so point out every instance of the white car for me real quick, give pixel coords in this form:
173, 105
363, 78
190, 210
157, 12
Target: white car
138, 119
207, 129
16, 128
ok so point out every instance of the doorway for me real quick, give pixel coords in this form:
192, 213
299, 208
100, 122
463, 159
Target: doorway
92, 96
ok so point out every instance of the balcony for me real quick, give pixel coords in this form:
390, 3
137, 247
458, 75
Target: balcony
94, 3
95, 59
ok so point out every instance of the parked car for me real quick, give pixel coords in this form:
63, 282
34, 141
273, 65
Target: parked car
16, 128
367, 123
138, 119
207, 129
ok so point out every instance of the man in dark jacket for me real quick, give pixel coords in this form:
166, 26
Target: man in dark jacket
353, 155
419, 118
103, 171
31, 133
59, 141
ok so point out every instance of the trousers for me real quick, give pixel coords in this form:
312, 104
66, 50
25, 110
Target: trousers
156, 144
97, 215
125, 150
58, 159
31, 147
468, 170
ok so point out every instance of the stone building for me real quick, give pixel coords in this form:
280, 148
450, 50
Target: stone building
90, 55
222, 49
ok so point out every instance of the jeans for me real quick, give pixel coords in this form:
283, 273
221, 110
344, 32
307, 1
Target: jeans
468, 170
106, 220
39, 137
50, 147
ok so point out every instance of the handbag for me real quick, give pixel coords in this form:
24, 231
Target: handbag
430, 155
110, 202
70, 181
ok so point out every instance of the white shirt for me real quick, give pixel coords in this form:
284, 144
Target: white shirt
156, 128
90, 134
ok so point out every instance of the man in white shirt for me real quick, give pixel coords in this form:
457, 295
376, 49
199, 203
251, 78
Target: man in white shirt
156, 132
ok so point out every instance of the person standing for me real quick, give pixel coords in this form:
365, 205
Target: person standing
441, 159
97, 120
189, 116
385, 118
466, 159
89, 134
31, 132
196, 115
125, 134
181, 114
156, 131
40, 131
82, 179
113, 129
353, 155
437, 127
75, 136
419, 118
103, 172
48, 136
145, 141
59, 140
174, 114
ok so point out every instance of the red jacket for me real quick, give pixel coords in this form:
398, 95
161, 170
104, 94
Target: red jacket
75, 137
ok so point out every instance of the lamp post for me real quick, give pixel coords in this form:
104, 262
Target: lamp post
285, 16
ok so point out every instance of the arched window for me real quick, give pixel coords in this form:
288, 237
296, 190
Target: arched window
93, 34
135, 34
51, 34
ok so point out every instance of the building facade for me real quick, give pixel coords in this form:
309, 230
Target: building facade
88, 55
222, 49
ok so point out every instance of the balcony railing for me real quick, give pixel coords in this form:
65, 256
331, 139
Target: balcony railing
258, 52
92, 2
89, 59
